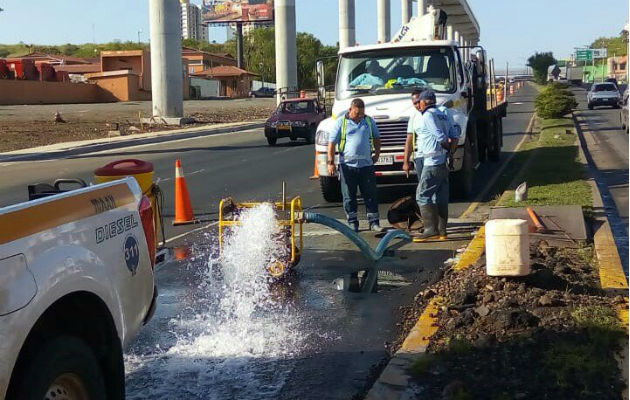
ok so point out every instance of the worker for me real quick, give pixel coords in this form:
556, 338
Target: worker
412, 151
432, 134
358, 142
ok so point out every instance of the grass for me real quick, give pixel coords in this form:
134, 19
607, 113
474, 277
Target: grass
551, 168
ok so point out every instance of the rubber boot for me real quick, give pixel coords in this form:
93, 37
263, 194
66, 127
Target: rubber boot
430, 218
442, 221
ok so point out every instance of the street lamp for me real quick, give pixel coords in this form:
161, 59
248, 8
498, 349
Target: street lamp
262, 73
139, 32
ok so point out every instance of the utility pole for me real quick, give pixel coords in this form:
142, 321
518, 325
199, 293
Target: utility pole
139, 32
239, 45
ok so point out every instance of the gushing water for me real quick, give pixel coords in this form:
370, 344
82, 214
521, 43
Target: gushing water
232, 338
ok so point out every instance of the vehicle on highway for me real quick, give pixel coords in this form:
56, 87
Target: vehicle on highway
623, 114
612, 80
262, 92
575, 75
293, 119
603, 94
416, 59
77, 284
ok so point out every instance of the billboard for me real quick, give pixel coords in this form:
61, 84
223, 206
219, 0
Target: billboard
228, 11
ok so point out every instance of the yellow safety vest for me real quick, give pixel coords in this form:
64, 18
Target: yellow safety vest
344, 132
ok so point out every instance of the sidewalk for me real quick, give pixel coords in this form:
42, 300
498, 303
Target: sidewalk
60, 150
472, 331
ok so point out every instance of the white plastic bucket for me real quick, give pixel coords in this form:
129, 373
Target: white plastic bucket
507, 247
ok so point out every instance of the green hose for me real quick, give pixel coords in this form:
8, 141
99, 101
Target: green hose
382, 249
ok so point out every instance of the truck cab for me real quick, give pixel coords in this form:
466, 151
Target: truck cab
385, 75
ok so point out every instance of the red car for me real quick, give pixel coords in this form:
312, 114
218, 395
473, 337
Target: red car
293, 119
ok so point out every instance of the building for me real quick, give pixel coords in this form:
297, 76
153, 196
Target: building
233, 81
192, 22
200, 60
247, 28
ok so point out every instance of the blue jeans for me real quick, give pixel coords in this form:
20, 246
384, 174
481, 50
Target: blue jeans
433, 187
364, 179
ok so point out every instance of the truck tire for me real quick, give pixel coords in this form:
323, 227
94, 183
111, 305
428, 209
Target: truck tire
272, 141
461, 182
331, 188
62, 367
494, 151
484, 140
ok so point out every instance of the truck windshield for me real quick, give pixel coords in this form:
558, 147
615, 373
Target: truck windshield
396, 71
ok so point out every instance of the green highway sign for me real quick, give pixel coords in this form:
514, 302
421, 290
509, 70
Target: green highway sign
584, 55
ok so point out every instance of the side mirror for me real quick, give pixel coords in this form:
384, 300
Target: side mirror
320, 73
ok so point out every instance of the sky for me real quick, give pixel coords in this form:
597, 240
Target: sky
511, 30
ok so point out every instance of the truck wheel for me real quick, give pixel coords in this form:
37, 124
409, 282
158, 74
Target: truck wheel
461, 182
272, 141
590, 106
494, 152
64, 367
331, 188
485, 141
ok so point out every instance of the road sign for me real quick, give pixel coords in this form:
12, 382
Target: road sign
584, 55
600, 53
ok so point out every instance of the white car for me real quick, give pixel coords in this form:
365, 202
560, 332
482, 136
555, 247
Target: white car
603, 94
76, 285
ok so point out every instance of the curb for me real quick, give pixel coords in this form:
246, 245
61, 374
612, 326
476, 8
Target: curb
60, 150
393, 381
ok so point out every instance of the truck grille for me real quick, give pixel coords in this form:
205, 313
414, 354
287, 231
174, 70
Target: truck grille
393, 133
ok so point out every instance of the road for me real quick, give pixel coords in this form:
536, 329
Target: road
310, 340
607, 153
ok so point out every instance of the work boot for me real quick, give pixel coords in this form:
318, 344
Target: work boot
442, 221
430, 218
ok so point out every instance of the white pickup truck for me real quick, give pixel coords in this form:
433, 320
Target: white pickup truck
76, 285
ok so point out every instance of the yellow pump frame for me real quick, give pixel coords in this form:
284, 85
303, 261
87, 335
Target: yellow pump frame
295, 224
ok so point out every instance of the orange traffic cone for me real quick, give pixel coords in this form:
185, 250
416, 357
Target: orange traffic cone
183, 209
315, 170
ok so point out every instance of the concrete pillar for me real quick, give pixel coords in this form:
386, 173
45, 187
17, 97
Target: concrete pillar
286, 49
166, 59
449, 32
406, 10
346, 24
456, 36
422, 7
383, 16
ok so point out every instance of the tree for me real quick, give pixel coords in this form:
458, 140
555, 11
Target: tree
617, 46
540, 63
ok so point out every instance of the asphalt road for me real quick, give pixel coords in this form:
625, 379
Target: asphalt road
607, 153
316, 341
240, 165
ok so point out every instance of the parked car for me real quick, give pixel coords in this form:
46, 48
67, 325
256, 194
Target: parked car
262, 92
602, 94
294, 118
624, 112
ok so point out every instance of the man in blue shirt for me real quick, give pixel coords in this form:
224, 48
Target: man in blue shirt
356, 136
434, 134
